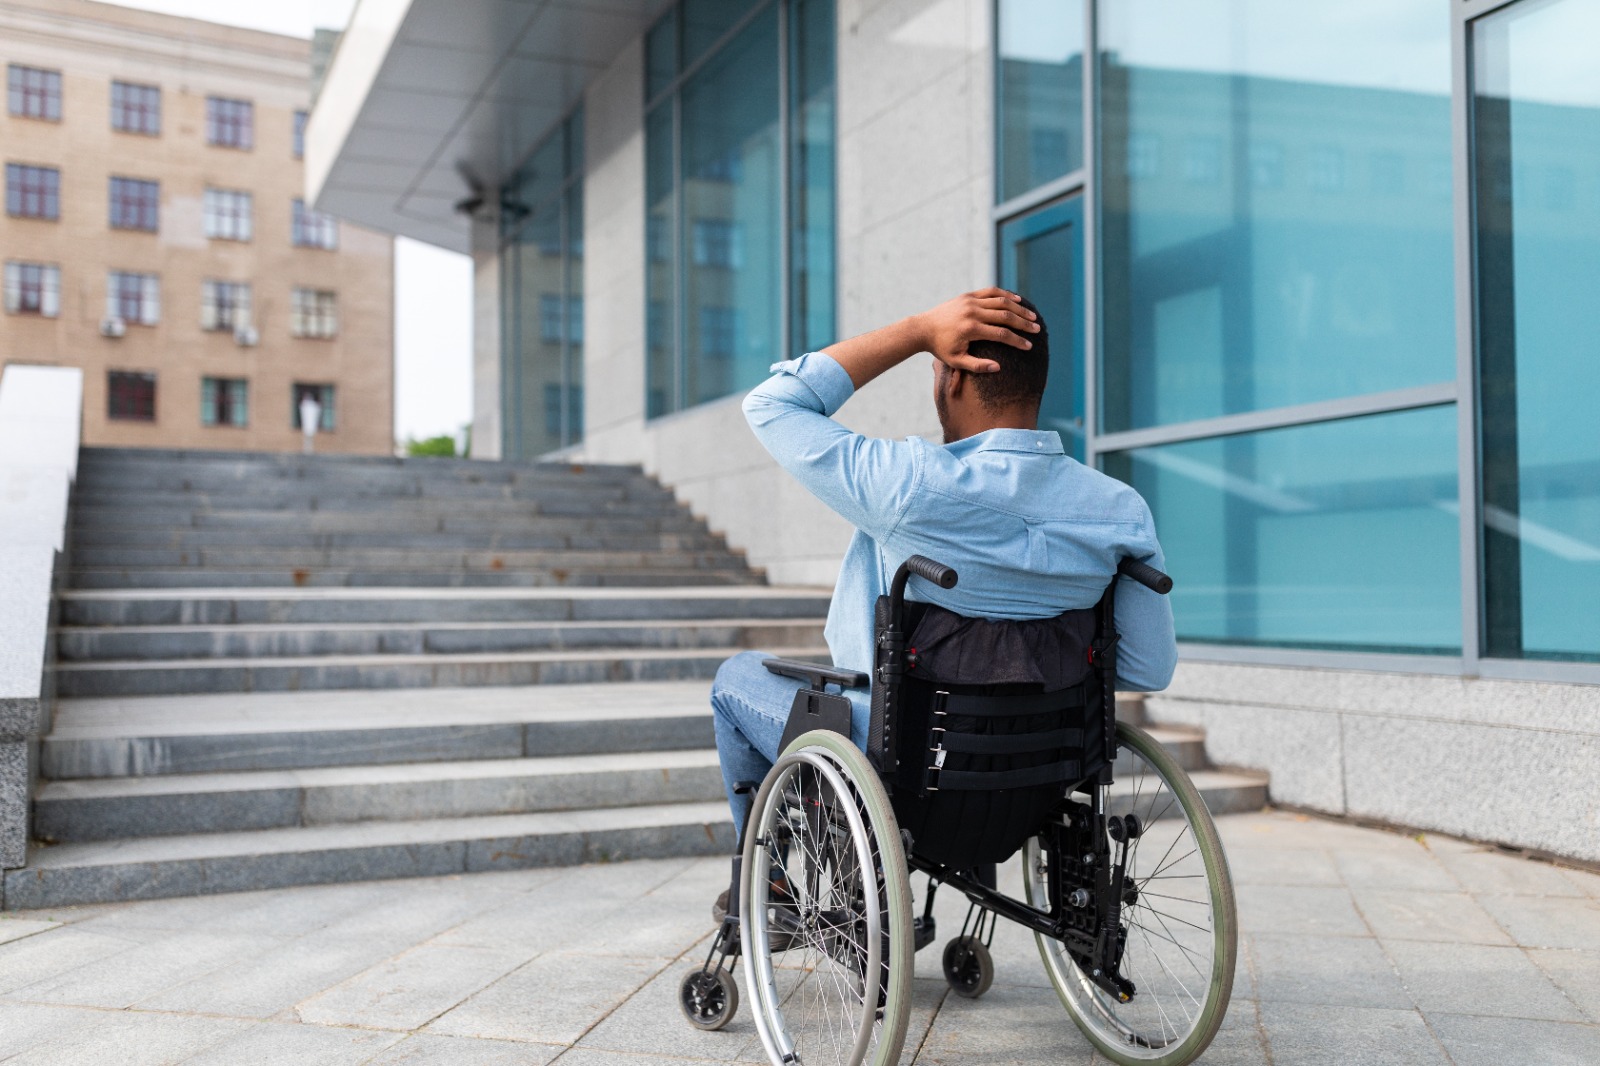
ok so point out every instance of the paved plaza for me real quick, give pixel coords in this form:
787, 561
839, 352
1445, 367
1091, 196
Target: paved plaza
1360, 946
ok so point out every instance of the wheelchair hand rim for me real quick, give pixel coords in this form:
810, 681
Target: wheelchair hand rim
753, 931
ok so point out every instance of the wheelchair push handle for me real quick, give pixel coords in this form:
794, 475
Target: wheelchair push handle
1146, 575
924, 567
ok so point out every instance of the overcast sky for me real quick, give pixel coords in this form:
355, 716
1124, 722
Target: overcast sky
433, 287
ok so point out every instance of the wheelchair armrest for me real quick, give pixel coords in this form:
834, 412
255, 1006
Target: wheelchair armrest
816, 675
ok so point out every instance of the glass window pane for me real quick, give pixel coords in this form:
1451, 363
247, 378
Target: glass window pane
1334, 535
661, 394
1536, 114
1041, 257
811, 120
539, 328
731, 156
705, 21
1039, 87
1276, 218
574, 405
661, 54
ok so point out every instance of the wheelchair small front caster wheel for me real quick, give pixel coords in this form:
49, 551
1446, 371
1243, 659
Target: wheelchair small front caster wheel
968, 967
708, 999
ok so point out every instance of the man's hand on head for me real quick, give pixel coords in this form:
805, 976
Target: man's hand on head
945, 331
985, 315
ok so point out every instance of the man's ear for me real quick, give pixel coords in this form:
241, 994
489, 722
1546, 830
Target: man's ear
957, 384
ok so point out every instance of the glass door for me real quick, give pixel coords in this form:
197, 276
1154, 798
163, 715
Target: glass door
1041, 257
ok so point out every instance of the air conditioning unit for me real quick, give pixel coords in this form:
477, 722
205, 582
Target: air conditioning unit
247, 336
112, 327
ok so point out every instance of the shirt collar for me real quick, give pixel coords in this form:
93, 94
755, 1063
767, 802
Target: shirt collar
1031, 441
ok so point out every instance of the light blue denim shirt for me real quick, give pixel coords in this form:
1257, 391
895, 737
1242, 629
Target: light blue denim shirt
1031, 531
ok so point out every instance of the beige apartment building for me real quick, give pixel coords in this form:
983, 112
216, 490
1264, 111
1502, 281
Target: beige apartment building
156, 235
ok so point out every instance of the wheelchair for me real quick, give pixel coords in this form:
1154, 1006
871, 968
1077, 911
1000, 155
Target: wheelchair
1125, 885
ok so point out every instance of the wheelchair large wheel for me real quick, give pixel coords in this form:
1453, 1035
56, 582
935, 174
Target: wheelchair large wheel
825, 895
1182, 931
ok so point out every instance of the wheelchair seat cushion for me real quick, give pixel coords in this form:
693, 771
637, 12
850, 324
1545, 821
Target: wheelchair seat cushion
961, 828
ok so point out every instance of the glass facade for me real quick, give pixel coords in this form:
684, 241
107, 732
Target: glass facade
541, 274
1269, 332
738, 194
1275, 209
1039, 86
1536, 169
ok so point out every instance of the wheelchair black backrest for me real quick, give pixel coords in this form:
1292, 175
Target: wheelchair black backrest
978, 728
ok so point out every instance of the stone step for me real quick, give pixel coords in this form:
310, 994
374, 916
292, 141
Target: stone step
79, 644
442, 558
1224, 792
176, 466
112, 808
189, 734
110, 523
226, 606
149, 677
358, 495
329, 577
546, 538
208, 863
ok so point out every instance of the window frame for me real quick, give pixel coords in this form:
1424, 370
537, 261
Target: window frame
229, 214
140, 115
139, 290
31, 182
313, 313
219, 315
213, 391
309, 228
40, 101
130, 389
32, 289
230, 123
134, 204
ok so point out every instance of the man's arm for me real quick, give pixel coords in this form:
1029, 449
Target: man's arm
865, 479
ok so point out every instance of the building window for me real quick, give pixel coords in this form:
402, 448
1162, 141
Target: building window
323, 394
33, 289
131, 396
135, 204
33, 192
224, 305
229, 214
224, 402
134, 298
33, 93
314, 314
136, 108
313, 229
1039, 90
1538, 346
230, 123
718, 221
300, 119
542, 276
717, 243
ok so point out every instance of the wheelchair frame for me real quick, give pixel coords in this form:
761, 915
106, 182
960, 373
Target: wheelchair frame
1086, 846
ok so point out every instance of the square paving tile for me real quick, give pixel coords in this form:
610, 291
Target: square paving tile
58, 951
277, 979
17, 928
649, 1021
421, 1049
1011, 1023
1305, 1035
1550, 922
1299, 910
1478, 979
127, 977
409, 990
554, 999
1281, 866
1488, 871
1577, 973
1327, 970
1413, 914
276, 1044
1474, 1041
1413, 867
123, 1038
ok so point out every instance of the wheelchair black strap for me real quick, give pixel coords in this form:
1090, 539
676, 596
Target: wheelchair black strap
1011, 744
989, 780
1017, 705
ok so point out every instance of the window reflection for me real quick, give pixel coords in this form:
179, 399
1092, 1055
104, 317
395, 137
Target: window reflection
1247, 263
1536, 113
1334, 535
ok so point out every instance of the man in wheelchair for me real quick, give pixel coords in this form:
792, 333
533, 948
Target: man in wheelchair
989, 707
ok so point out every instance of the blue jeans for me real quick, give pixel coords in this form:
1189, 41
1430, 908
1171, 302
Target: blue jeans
751, 707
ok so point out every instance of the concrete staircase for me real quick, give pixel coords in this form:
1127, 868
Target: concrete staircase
283, 670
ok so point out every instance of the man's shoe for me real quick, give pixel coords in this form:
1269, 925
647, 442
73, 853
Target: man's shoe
719, 909
777, 940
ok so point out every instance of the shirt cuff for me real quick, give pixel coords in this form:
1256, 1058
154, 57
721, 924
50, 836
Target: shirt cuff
823, 375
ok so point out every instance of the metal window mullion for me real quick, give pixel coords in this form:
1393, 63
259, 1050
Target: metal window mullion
688, 71
1281, 417
786, 158
1056, 188
680, 359
1468, 489
1090, 235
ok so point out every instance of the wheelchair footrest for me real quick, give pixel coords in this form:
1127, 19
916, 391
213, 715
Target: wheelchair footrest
924, 931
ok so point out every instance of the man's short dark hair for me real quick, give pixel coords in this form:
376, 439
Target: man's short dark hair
1021, 378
